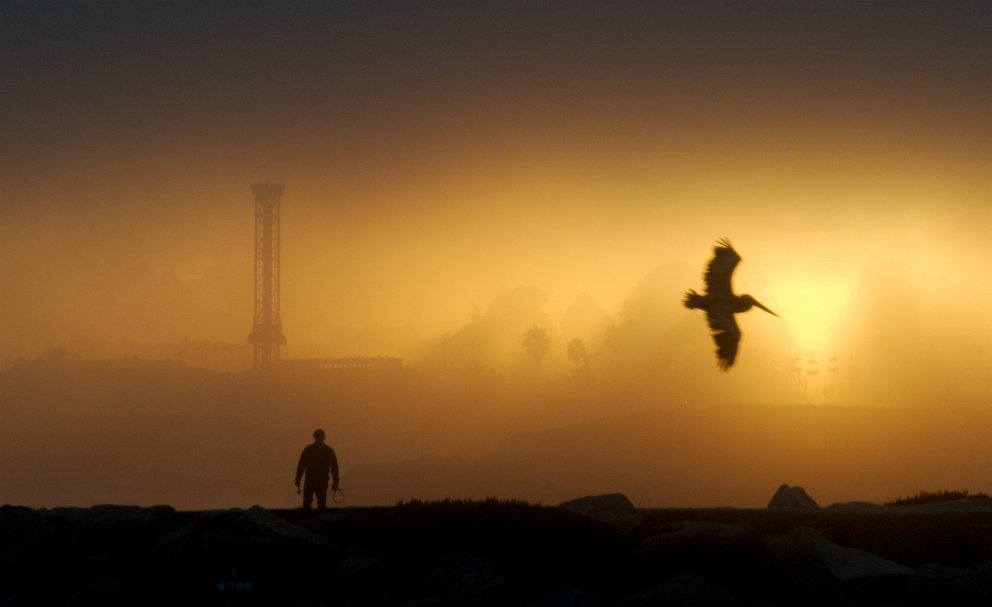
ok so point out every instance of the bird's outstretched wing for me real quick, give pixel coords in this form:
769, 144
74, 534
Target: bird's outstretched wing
726, 334
720, 269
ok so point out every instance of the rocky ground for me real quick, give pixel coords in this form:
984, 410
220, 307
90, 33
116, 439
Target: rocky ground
590, 552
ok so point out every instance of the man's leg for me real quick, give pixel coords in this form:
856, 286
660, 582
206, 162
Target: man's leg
307, 494
322, 496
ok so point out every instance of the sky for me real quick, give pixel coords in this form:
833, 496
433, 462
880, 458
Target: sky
437, 154
459, 172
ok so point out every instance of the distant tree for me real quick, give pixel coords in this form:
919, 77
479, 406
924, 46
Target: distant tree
577, 353
537, 344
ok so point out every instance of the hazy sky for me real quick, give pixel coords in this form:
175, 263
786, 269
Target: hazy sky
469, 170
436, 154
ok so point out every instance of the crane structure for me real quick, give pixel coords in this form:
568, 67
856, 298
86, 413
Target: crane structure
266, 332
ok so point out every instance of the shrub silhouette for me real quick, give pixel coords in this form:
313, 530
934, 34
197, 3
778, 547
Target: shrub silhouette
928, 497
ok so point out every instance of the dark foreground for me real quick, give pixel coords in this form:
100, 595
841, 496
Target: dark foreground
493, 553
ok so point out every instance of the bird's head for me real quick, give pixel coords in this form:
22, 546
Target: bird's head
754, 302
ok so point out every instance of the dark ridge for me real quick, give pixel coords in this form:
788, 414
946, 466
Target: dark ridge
492, 552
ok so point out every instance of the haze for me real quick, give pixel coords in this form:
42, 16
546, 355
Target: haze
457, 174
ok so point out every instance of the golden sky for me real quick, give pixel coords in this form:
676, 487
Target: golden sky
456, 173
436, 156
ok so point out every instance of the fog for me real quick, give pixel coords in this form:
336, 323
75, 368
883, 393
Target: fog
456, 178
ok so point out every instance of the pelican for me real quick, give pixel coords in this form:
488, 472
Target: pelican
721, 304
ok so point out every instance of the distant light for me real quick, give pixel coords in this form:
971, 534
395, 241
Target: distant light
812, 310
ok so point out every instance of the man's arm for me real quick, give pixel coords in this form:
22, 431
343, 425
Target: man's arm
300, 467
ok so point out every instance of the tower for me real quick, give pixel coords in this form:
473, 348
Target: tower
266, 331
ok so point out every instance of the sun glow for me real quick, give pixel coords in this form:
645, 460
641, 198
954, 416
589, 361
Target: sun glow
812, 312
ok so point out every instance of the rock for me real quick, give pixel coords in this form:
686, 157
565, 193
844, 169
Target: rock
936, 584
568, 597
857, 507
227, 549
791, 498
272, 525
804, 567
845, 564
107, 591
321, 523
690, 534
120, 531
593, 503
712, 549
968, 504
113, 515
175, 552
257, 523
362, 573
687, 588
256, 546
23, 532
464, 579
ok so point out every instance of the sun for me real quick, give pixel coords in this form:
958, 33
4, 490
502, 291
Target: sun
811, 311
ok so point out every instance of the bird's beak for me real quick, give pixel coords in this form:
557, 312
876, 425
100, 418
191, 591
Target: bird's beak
765, 309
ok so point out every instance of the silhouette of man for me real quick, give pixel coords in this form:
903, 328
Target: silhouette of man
316, 461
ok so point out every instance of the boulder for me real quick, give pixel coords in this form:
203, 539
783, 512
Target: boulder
118, 531
967, 504
690, 534
258, 543
24, 532
111, 515
857, 507
362, 575
688, 588
174, 554
599, 503
711, 549
791, 498
804, 544
272, 525
257, 522
936, 584
321, 523
464, 579
568, 597
107, 591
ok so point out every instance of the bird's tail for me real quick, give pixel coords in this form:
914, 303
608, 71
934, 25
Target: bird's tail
693, 300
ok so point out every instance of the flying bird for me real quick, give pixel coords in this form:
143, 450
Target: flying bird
721, 304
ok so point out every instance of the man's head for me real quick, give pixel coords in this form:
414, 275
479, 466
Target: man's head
318, 435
